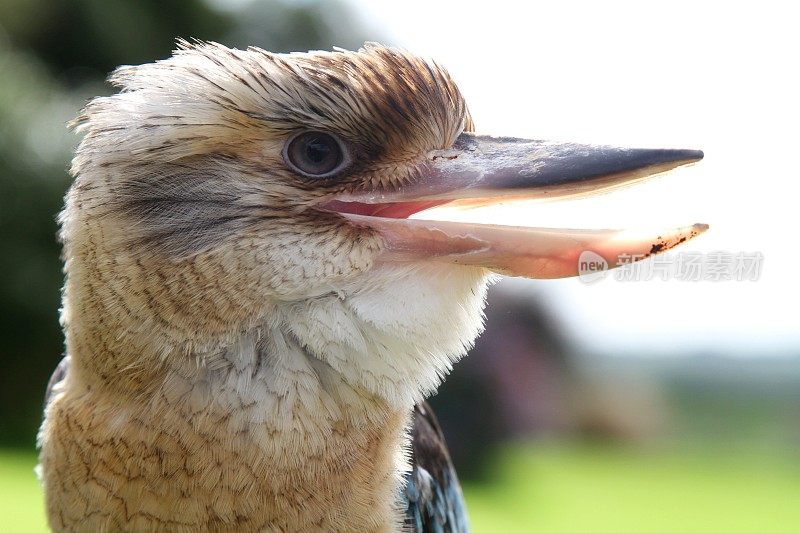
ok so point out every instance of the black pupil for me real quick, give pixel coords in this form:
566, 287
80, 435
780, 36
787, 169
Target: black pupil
317, 150
315, 153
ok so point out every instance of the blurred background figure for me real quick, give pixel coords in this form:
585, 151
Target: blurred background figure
658, 402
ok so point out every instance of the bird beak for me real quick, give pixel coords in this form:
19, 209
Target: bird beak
480, 170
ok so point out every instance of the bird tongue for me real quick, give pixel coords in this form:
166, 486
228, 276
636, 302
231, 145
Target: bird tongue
517, 251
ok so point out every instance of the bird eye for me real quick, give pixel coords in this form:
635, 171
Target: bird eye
316, 154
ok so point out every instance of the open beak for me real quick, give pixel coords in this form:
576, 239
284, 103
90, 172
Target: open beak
481, 170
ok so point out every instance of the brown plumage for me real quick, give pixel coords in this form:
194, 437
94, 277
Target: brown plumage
249, 332
190, 402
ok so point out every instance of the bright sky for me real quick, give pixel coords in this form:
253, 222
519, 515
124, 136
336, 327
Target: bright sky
714, 76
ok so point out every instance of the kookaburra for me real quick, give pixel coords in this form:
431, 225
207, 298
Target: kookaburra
252, 319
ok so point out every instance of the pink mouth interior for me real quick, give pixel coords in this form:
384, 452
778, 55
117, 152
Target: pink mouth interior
514, 251
387, 210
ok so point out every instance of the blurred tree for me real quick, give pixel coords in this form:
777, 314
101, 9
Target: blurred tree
54, 54
280, 26
80, 39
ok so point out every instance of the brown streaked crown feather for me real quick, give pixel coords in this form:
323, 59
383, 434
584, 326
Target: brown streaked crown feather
208, 98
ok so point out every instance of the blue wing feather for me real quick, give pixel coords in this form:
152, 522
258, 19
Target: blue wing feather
433, 495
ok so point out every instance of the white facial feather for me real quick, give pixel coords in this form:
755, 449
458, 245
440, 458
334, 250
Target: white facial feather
398, 330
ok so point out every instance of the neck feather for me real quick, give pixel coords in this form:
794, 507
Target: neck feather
316, 389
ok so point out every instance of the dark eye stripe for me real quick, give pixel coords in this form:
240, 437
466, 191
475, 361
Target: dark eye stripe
316, 154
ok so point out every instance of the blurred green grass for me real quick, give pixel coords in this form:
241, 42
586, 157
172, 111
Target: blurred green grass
561, 487
568, 488
21, 506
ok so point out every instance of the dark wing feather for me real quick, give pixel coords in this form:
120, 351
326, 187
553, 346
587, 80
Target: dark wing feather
434, 499
58, 376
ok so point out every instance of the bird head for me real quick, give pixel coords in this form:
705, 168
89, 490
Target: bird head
221, 189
